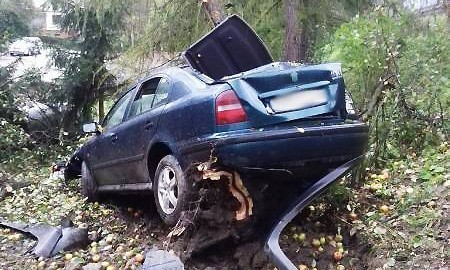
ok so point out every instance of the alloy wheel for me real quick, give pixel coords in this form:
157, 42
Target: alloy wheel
167, 190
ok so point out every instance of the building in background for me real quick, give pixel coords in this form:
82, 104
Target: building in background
47, 21
52, 20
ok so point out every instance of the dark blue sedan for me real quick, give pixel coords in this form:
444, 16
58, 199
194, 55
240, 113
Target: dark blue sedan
230, 103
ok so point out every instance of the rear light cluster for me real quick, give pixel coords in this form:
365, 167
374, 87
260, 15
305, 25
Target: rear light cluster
229, 109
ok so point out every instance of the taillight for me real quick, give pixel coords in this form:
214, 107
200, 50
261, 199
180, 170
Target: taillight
229, 109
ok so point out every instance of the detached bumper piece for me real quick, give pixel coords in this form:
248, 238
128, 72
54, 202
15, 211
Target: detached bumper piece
52, 240
272, 247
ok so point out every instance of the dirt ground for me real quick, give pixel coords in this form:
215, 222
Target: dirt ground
121, 227
391, 221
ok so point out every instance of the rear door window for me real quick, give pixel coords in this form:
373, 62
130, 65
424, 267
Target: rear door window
153, 93
162, 92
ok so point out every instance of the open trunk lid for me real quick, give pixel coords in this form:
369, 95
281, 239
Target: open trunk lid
230, 48
282, 92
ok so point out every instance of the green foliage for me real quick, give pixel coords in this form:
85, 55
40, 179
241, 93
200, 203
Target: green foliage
11, 26
174, 25
86, 79
266, 18
417, 206
398, 73
13, 137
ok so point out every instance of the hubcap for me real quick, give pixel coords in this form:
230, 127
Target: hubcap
167, 190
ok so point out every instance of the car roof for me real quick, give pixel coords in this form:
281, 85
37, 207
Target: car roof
181, 71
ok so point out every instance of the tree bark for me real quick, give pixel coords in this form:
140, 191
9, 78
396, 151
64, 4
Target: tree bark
447, 5
293, 33
214, 10
101, 105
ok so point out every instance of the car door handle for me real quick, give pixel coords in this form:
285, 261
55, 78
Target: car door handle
114, 138
148, 125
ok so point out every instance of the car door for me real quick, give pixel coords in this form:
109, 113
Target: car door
106, 150
140, 127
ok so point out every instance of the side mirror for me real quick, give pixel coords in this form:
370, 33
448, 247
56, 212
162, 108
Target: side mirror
90, 128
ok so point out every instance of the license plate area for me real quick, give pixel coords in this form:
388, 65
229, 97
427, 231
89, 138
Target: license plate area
300, 100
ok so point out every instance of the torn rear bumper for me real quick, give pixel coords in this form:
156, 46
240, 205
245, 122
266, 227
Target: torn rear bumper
272, 247
286, 148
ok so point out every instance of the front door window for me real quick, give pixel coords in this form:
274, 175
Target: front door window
115, 115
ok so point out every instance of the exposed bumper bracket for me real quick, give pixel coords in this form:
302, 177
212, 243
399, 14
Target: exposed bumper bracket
272, 246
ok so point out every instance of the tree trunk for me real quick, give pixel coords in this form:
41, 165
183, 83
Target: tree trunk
101, 105
447, 5
214, 10
293, 33
304, 45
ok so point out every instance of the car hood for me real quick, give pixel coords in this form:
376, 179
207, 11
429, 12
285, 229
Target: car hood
230, 48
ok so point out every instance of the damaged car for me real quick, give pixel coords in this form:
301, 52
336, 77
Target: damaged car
230, 104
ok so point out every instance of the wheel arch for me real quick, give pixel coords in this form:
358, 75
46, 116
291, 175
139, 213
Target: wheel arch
156, 152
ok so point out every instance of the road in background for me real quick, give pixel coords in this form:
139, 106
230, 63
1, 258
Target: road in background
42, 62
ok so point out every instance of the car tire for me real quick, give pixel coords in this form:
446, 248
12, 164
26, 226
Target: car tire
88, 184
171, 185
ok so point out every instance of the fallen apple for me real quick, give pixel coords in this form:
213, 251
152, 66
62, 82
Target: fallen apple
139, 258
41, 265
301, 237
96, 258
384, 209
337, 256
316, 243
322, 240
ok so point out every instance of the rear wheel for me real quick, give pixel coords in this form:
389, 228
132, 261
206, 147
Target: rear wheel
171, 190
88, 185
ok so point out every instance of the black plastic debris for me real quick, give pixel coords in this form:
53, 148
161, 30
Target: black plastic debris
52, 240
273, 248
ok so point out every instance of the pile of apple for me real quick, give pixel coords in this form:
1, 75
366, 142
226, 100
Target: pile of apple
318, 245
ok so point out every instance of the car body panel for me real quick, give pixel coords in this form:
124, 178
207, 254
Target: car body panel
290, 147
24, 47
107, 153
258, 87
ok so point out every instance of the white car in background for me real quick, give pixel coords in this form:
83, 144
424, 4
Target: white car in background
26, 46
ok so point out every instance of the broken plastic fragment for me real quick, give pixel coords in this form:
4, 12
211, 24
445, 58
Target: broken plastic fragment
52, 240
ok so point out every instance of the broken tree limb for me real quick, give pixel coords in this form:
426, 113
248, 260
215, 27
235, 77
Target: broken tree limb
376, 97
235, 186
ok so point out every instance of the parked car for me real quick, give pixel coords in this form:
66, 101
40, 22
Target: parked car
26, 46
231, 101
